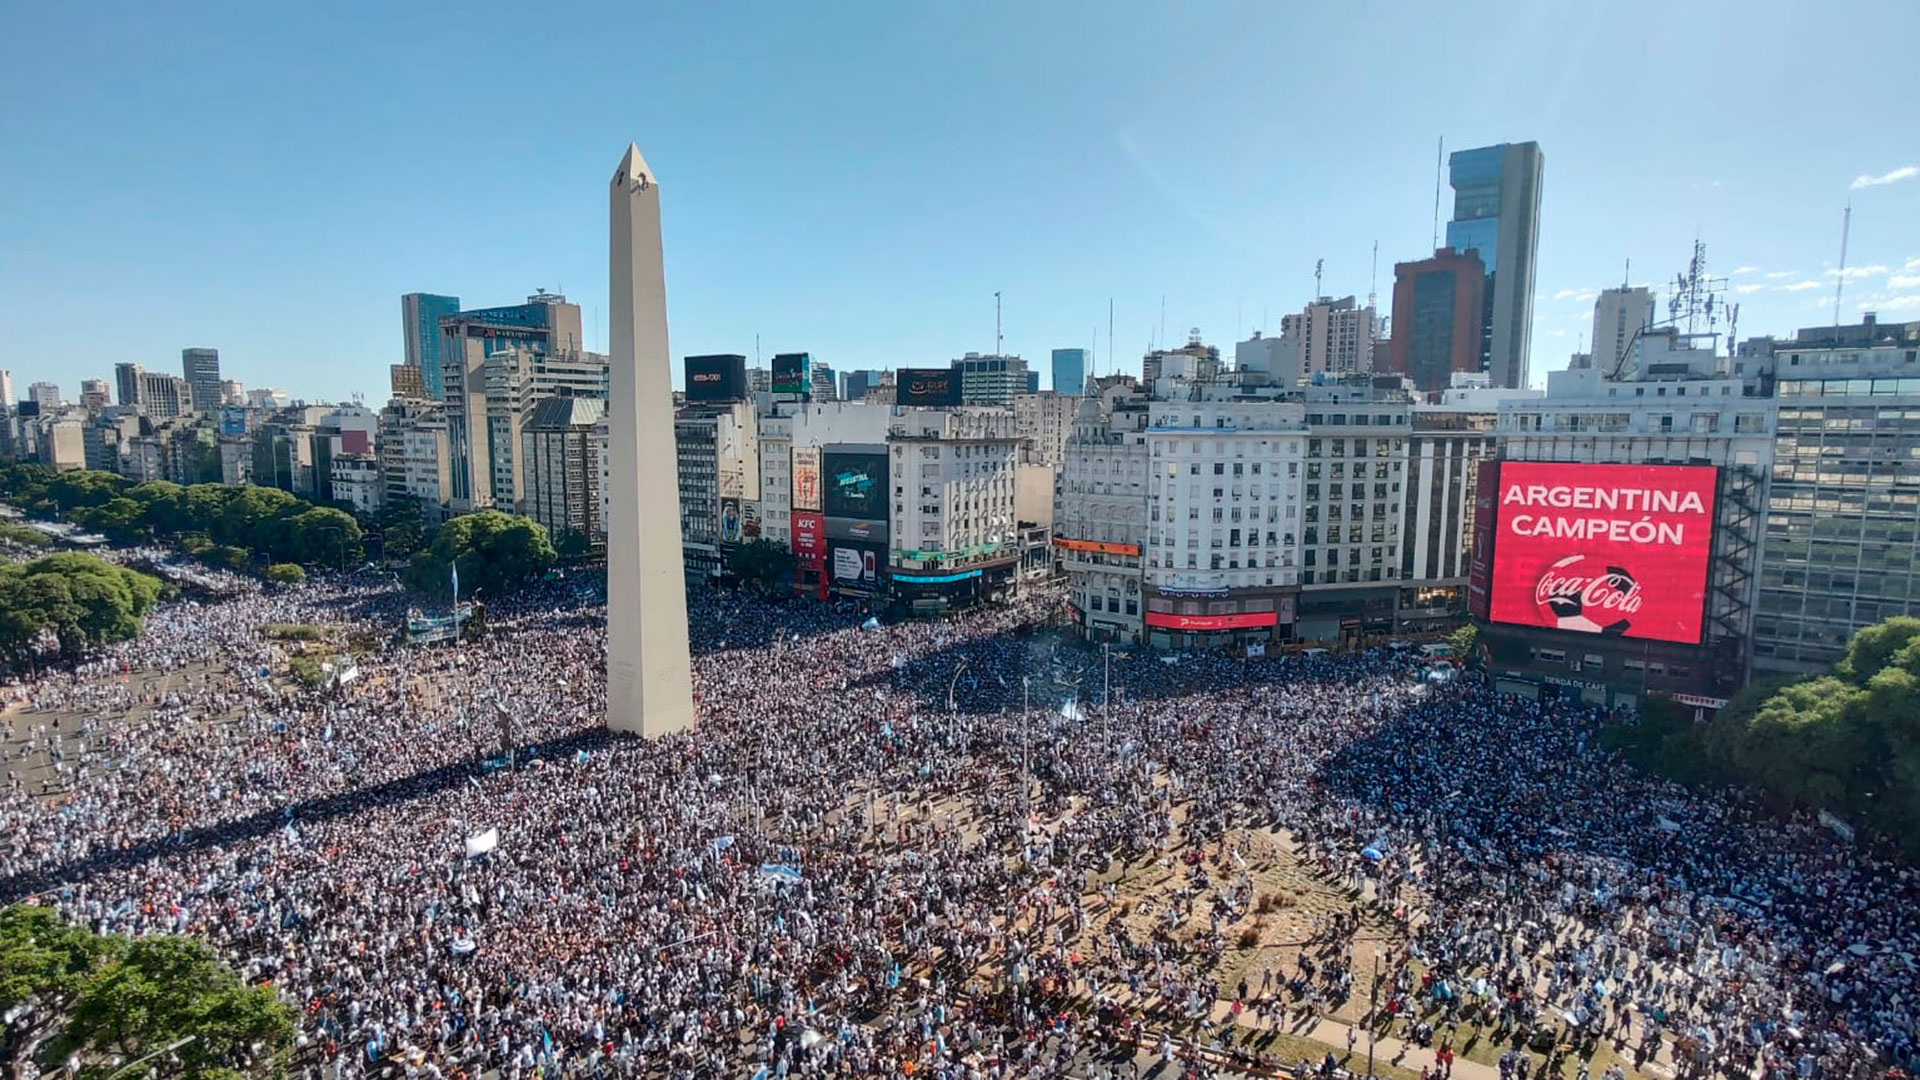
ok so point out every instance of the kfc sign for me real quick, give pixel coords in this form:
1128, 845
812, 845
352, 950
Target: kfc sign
1603, 549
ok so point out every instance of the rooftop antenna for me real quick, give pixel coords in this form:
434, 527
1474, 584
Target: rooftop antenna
996, 322
1846, 228
1439, 151
1113, 358
1373, 282
1163, 318
1318, 265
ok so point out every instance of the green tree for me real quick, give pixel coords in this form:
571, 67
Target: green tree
286, 573
762, 563
1462, 639
402, 526
573, 544
322, 534
85, 487
1877, 646
163, 502
70, 602
493, 550
120, 517
173, 991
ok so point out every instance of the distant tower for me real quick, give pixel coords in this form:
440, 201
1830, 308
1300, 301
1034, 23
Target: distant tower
649, 678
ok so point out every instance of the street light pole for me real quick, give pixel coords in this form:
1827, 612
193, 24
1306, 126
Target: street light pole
167, 1049
951, 712
1026, 781
1373, 1012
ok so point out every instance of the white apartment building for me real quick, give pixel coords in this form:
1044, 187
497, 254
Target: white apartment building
1045, 420
789, 426
413, 454
1223, 514
1268, 361
717, 456
953, 534
1620, 316
355, 480
1333, 336
1100, 521
1351, 509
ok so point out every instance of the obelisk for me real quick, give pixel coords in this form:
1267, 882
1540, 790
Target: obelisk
649, 684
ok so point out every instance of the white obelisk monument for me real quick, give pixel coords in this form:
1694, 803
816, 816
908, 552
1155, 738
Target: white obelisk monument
649, 684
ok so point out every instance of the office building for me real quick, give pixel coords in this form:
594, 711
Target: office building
1352, 498
94, 395
1496, 212
1842, 547
717, 458
355, 481
1620, 316
1333, 336
126, 383
1448, 441
412, 444
789, 512
1267, 361
562, 467
232, 393
1196, 362
421, 315
489, 366
1439, 319
1100, 520
46, 395
6, 389
266, 397
990, 380
1043, 422
824, 383
1689, 414
164, 396
201, 368
1070, 371
952, 537
759, 381
406, 381
855, 384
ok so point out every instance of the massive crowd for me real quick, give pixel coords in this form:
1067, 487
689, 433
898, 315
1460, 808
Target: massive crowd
840, 874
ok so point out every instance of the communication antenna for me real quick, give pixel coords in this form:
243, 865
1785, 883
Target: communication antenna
1439, 151
996, 322
1697, 296
1733, 325
1163, 319
1113, 358
1373, 281
1839, 287
1318, 265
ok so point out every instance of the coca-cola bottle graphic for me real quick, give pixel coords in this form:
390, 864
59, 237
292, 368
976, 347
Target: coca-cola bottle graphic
1577, 593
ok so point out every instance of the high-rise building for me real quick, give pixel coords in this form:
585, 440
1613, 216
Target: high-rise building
164, 396
1620, 316
1070, 371
94, 395
493, 360
759, 381
126, 382
1842, 548
6, 389
1267, 360
413, 454
562, 467
1439, 314
855, 384
1100, 518
953, 534
232, 393
826, 385
1044, 421
420, 318
990, 380
1334, 336
1196, 362
1496, 212
407, 381
46, 395
201, 367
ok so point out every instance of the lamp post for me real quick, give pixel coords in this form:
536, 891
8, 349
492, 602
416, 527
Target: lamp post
167, 1049
1026, 782
1373, 1012
951, 712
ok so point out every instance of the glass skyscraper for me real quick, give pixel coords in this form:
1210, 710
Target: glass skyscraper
201, 367
1496, 212
1069, 371
420, 315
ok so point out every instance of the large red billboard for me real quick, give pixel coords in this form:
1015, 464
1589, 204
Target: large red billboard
1604, 549
809, 539
1249, 620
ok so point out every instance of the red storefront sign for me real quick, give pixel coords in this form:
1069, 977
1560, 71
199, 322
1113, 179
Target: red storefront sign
1248, 620
1604, 549
810, 538
1096, 547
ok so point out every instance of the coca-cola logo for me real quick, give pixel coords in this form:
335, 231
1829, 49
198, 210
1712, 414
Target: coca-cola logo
1580, 593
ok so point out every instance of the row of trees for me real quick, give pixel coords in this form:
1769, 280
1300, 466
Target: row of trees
62, 606
493, 550
1847, 741
104, 1004
259, 523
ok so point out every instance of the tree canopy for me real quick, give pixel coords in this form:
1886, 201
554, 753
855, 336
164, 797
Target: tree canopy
67, 603
761, 563
106, 1002
493, 550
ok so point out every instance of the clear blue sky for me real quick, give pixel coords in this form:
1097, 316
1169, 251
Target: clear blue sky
856, 180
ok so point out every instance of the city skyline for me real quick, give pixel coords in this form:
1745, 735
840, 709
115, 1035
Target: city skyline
1092, 194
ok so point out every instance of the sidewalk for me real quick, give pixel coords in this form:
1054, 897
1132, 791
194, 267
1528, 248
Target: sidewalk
1333, 1035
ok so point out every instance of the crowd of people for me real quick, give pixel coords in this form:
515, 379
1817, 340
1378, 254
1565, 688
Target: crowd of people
888, 850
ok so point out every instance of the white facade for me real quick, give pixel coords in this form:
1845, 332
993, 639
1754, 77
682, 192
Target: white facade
1619, 316
1045, 420
44, 394
787, 425
265, 397
1276, 360
356, 481
954, 487
1100, 523
413, 454
1333, 336
1223, 505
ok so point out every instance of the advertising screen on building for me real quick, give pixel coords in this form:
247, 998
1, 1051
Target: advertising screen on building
809, 537
926, 386
1249, 620
720, 377
856, 566
792, 373
1480, 561
854, 485
806, 478
233, 420
1603, 549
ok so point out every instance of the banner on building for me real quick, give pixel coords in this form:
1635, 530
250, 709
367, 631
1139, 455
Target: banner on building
749, 520
931, 387
792, 373
1604, 549
718, 377
1166, 620
806, 478
1096, 547
729, 521
856, 566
